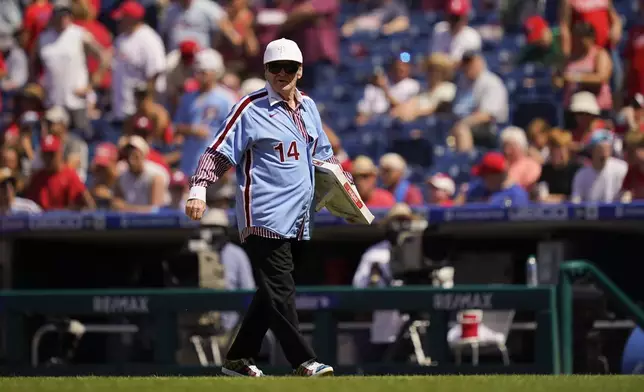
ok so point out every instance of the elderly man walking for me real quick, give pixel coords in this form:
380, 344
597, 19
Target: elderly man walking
271, 138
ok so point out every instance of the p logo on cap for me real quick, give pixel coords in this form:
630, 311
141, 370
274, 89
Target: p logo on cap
143, 123
282, 50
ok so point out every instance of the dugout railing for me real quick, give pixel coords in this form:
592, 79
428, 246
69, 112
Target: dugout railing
569, 272
163, 306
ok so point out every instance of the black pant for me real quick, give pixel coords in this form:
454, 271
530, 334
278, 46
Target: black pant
273, 305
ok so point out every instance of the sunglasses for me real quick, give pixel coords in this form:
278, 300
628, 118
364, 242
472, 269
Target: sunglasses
289, 67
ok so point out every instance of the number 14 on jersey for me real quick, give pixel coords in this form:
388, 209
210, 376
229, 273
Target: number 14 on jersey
290, 153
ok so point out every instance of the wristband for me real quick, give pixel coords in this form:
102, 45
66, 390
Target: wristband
197, 192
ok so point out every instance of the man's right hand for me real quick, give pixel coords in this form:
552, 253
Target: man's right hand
195, 209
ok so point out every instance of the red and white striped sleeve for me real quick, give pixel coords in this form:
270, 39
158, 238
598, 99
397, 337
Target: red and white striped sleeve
212, 166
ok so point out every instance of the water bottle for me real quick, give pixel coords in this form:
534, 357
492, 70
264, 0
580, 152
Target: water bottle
532, 275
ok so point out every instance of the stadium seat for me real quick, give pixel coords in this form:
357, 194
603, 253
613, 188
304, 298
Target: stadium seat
527, 110
457, 165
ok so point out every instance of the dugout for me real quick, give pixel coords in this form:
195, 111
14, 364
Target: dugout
481, 253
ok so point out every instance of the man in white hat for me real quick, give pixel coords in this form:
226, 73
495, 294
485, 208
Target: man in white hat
393, 170
271, 137
141, 187
441, 190
201, 113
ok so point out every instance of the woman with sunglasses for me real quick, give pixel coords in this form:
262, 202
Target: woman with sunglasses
271, 137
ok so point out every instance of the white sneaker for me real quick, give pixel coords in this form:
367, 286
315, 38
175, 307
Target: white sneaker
314, 369
241, 368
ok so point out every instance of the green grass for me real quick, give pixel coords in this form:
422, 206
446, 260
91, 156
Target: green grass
337, 384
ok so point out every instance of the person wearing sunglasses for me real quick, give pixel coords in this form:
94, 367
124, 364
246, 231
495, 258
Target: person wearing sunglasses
271, 137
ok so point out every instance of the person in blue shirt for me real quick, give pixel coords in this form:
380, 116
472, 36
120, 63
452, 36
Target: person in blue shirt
200, 113
493, 186
271, 137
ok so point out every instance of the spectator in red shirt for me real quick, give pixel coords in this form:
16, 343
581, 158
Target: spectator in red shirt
36, 18
634, 56
365, 174
441, 190
633, 185
393, 169
57, 186
599, 13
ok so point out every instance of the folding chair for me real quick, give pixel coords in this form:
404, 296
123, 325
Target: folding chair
479, 332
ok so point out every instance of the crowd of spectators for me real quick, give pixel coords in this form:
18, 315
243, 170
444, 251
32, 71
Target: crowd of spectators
109, 106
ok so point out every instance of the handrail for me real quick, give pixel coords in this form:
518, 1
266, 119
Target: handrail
568, 272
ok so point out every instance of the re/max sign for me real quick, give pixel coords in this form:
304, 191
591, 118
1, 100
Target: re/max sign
455, 301
121, 304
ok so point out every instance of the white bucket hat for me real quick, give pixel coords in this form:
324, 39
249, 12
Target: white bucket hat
584, 102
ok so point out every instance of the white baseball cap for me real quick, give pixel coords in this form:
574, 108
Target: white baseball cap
57, 114
210, 60
135, 141
443, 182
282, 50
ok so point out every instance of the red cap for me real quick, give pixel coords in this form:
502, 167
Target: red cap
130, 9
143, 123
178, 179
459, 7
50, 143
492, 163
535, 26
105, 154
188, 48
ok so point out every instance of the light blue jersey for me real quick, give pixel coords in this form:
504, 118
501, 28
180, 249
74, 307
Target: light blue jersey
201, 109
272, 148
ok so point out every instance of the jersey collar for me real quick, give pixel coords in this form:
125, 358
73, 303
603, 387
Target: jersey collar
274, 98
